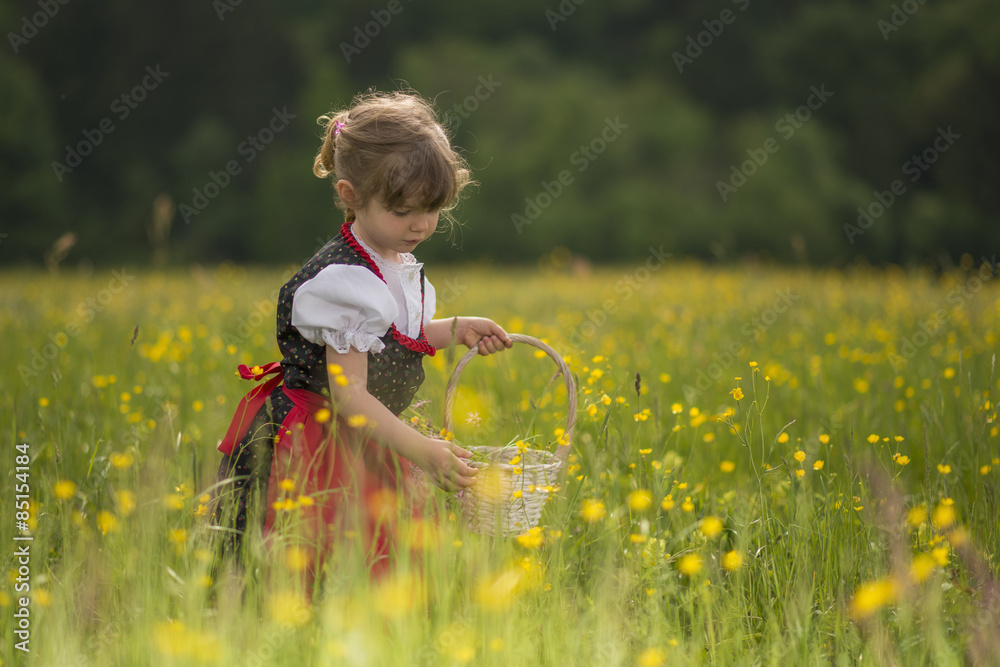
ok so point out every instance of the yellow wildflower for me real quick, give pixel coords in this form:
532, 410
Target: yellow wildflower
122, 460
174, 501
531, 539
592, 510
126, 501
64, 489
940, 555
106, 522
916, 516
921, 567
872, 596
289, 609
732, 561
497, 592
690, 564
41, 597
711, 526
652, 657
944, 516
640, 500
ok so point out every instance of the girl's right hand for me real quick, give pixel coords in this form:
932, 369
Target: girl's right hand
445, 465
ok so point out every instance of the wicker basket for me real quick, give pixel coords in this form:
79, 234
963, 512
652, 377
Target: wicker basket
492, 506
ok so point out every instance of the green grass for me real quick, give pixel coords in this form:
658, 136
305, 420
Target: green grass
120, 566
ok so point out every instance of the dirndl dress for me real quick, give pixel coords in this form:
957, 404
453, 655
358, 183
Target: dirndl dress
287, 447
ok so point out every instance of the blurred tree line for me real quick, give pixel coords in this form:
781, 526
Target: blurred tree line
185, 131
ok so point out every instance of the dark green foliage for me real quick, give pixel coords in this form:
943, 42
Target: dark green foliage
524, 88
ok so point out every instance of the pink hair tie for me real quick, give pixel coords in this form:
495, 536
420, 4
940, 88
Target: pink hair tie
337, 127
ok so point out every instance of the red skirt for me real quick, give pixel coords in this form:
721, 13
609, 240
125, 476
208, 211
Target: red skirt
328, 481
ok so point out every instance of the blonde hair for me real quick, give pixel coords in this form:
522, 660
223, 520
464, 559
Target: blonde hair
391, 148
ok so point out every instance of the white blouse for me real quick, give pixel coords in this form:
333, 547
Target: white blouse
346, 306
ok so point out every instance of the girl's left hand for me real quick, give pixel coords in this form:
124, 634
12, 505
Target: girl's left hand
483, 333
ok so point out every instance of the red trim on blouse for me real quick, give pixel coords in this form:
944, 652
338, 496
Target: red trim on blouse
412, 344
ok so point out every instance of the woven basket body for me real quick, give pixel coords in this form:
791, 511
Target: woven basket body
508, 498
507, 502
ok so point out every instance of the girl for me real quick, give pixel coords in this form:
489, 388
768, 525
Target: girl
353, 326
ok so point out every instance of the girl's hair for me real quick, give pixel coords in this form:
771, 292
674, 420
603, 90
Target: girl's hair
391, 148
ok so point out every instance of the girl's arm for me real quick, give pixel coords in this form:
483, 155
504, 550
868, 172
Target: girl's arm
470, 331
441, 460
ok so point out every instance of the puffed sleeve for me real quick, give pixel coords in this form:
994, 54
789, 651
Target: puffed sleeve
430, 301
344, 306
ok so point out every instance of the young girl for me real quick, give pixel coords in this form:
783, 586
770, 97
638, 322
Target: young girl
353, 326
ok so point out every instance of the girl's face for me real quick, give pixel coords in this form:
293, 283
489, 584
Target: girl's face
390, 232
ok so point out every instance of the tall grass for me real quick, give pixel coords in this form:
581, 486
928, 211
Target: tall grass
841, 507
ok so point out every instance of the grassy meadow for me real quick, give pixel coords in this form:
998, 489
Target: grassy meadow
770, 466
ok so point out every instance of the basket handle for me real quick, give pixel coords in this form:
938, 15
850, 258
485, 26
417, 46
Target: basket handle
449, 395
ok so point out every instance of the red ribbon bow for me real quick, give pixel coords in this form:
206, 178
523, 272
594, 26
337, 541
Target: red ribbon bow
251, 404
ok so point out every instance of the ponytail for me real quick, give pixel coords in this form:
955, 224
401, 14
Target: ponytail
324, 164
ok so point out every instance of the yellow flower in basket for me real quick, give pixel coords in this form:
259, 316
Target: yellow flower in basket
515, 480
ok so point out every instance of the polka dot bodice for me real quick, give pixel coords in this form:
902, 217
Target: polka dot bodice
394, 374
